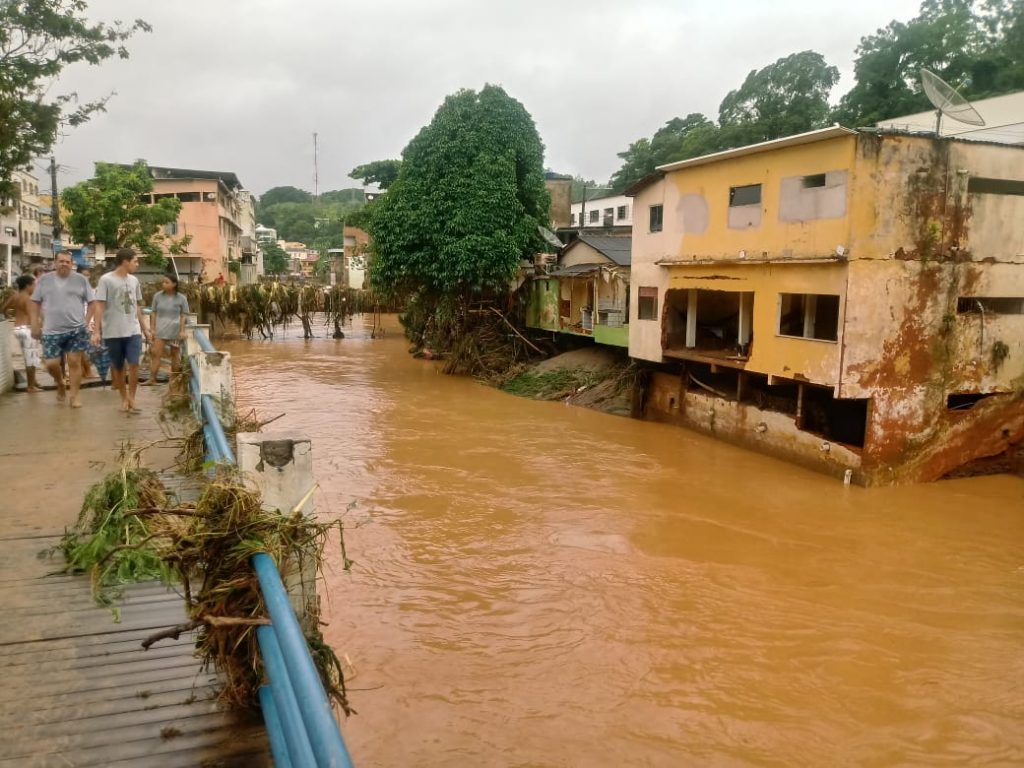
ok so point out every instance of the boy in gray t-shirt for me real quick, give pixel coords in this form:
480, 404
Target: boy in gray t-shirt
121, 325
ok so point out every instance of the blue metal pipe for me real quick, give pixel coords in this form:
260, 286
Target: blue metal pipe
217, 429
203, 340
324, 734
278, 745
212, 452
299, 748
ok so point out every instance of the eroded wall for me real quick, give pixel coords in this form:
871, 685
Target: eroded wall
667, 400
921, 242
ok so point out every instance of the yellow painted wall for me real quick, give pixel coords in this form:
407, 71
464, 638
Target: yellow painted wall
813, 238
818, 361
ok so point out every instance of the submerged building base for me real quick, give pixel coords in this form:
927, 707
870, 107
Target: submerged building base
805, 426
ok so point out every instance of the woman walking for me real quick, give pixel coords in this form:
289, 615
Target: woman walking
167, 321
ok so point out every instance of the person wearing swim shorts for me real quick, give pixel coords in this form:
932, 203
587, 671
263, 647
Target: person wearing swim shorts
58, 319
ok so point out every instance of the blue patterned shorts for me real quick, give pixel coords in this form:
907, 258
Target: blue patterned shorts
57, 344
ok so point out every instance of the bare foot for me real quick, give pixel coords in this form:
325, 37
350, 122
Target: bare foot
125, 406
76, 403
61, 392
34, 389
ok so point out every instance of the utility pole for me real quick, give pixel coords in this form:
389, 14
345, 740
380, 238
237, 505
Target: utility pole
316, 168
54, 201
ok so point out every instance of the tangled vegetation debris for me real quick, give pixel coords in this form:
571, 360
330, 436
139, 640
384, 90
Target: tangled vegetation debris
132, 529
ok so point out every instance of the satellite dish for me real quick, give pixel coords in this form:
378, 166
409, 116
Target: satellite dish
947, 101
550, 237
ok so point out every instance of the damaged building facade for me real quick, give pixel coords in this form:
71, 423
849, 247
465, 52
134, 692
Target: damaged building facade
847, 300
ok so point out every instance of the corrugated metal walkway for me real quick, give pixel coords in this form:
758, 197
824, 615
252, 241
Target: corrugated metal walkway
77, 688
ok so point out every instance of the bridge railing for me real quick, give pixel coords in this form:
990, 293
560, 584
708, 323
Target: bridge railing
301, 725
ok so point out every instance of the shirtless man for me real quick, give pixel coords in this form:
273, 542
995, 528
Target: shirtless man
18, 307
58, 319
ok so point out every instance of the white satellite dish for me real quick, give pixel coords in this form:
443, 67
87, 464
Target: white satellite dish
947, 101
550, 237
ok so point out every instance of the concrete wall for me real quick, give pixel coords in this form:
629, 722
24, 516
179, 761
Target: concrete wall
561, 201
6, 362
770, 432
542, 310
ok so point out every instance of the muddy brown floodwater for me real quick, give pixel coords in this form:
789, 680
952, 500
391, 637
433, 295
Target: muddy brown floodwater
541, 585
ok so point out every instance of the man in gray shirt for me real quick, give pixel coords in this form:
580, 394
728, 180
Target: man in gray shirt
60, 300
121, 324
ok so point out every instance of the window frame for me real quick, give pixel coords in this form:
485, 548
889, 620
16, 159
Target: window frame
660, 208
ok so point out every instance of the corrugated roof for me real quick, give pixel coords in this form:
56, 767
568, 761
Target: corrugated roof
617, 249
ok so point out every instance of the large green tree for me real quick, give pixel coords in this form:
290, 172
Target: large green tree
110, 210
275, 260
961, 40
383, 173
787, 97
467, 203
38, 39
680, 138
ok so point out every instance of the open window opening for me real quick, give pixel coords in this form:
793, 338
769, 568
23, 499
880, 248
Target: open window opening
994, 305
809, 316
841, 421
706, 379
781, 396
714, 324
966, 400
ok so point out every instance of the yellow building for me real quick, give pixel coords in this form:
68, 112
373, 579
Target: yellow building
851, 300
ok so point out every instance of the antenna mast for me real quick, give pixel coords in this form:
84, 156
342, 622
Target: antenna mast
316, 167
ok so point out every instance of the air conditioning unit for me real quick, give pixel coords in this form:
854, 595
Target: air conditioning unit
210, 197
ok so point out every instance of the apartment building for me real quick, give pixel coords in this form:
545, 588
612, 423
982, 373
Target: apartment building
849, 300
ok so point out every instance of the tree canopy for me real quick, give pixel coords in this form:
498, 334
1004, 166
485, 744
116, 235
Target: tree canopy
284, 194
109, 210
467, 202
977, 43
38, 39
275, 260
383, 173
960, 40
787, 97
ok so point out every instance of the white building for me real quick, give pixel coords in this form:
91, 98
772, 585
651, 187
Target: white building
602, 213
1003, 116
28, 217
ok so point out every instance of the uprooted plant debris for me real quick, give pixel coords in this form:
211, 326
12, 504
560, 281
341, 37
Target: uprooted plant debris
132, 529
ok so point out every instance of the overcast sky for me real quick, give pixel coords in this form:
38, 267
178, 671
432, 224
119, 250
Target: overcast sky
242, 86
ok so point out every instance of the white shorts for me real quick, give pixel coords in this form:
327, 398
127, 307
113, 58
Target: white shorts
30, 348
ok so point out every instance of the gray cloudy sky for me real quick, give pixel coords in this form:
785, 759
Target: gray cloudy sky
241, 86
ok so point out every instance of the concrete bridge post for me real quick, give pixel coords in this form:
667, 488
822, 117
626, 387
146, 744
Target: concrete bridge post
217, 380
280, 466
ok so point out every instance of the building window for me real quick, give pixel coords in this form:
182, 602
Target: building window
994, 305
572, 221
746, 195
189, 197
816, 180
594, 215
809, 316
647, 303
622, 213
171, 229
657, 213
980, 185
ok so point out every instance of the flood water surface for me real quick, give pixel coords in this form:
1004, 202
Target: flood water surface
541, 585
